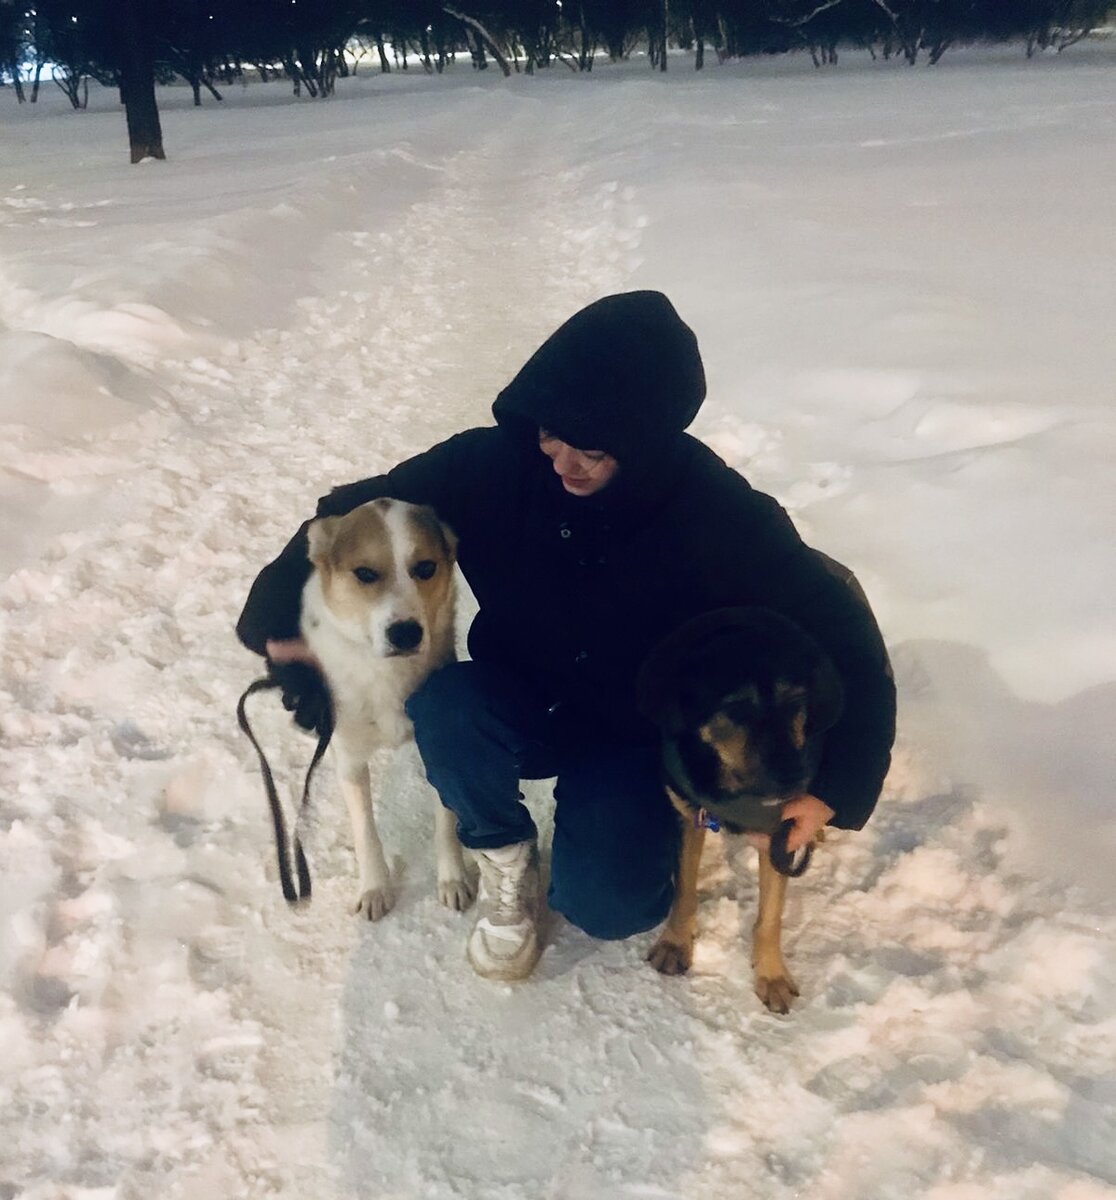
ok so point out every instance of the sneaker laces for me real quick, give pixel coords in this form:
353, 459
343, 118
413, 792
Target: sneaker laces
507, 894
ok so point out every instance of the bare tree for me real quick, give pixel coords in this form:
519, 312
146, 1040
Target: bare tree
1059, 25
13, 38
820, 40
486, 38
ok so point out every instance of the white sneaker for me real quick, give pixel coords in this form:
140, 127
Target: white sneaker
504, 943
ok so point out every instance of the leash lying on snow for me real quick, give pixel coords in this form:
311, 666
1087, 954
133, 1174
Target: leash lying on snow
282, 849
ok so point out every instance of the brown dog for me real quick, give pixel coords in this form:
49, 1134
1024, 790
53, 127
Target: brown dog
742, 697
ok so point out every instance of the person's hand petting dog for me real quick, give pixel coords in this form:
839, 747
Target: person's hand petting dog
809, 815
291, 650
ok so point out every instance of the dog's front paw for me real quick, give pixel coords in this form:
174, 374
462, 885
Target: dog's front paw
777, 991
671, 958
375, 903
457, 893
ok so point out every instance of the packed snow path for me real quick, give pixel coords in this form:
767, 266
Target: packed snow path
170, 1028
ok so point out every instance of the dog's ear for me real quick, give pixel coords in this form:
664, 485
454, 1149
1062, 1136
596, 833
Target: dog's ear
320, 535
827, 697
447, 536
438, 530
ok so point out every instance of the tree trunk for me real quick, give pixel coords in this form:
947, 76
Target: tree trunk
136, 47
476, 50
939, 48
71, 85
662, 35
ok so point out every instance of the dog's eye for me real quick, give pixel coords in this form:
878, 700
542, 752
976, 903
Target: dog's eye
366, 574
424, 569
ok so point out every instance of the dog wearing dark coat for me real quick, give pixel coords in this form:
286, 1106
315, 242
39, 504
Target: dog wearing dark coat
743, 698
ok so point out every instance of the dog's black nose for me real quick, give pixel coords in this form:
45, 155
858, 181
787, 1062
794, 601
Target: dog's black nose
404, 635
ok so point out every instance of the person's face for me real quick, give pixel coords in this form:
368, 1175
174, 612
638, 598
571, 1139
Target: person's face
583, 472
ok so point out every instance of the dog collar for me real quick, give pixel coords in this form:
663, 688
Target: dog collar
679, 781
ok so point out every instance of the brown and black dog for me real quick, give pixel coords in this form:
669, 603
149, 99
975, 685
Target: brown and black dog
742, 697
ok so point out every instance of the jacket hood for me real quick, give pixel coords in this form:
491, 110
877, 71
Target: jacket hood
623, 375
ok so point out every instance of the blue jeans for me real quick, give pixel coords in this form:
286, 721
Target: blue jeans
480, 730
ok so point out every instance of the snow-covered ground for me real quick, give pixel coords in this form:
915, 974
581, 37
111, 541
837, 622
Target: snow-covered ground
903, 285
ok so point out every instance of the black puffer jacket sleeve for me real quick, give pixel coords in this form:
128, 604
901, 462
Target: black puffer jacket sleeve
858, 748
274, 602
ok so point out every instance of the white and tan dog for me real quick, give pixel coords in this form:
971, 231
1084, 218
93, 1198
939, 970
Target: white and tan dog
378, 614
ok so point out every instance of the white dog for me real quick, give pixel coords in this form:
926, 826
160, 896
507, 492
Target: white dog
378, 614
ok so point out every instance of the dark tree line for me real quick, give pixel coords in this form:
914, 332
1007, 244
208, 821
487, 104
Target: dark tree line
134, 44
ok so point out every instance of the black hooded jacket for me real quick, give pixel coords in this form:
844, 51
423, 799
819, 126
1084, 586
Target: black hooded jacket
574, 592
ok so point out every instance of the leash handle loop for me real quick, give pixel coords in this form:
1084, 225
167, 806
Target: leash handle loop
282, 844
791, 865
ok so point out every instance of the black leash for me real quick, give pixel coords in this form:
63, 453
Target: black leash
282, 848
791, 865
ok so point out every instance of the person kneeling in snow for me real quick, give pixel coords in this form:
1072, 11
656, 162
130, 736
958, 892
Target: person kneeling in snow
589, 526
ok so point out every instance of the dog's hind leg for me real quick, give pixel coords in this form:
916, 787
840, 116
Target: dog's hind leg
773, 981
375, 897
673, 953
454, 887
